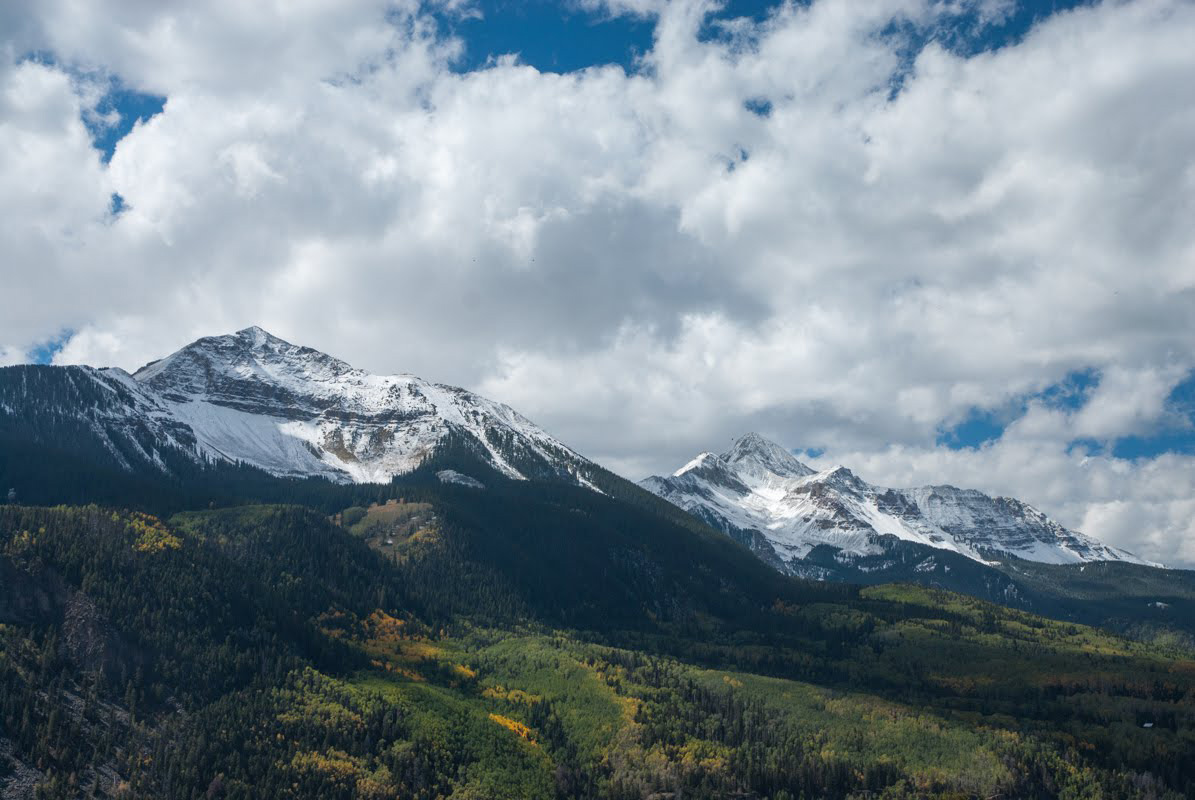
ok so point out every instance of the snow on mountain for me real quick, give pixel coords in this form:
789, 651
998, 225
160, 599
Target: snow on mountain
251, 397
758, 486
452, 476
291, 410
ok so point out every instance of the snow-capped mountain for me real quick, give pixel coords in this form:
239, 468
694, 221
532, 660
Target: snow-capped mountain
760, 493
253, 398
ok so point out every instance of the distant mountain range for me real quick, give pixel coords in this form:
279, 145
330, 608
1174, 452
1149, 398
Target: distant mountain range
252, 399
759, 493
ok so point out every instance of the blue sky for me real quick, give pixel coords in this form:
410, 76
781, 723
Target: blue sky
131, 106
563, 36
1174, 434
1178, 436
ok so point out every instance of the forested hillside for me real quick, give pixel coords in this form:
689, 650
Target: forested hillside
461, 647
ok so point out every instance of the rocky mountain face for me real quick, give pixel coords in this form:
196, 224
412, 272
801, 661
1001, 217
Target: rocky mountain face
253, 398
784, 510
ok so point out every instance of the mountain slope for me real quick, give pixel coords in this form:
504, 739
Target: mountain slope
762, 495
267, 652
102, 414
255, 399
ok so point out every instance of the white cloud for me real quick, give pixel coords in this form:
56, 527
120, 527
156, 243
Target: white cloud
11, 355
54, 196
639, 262
1128, 401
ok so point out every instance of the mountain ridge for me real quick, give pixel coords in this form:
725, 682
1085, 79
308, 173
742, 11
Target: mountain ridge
758, 489
255, 399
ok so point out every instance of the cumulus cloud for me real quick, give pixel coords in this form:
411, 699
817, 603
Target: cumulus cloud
825, 224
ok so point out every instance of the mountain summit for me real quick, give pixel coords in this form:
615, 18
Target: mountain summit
762, 495
223, 368
754, 455
253, 398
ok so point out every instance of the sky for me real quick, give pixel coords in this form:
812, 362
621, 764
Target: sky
939, 241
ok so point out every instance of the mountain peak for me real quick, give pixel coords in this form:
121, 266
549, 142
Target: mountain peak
754, 453
257, 336
251, 353
753, 440
250, 396
759, 486
255, 340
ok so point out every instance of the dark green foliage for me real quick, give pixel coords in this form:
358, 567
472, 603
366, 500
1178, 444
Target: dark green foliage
581, 560
313, 736
1143, 602
189, 623
222, 611
539, 641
